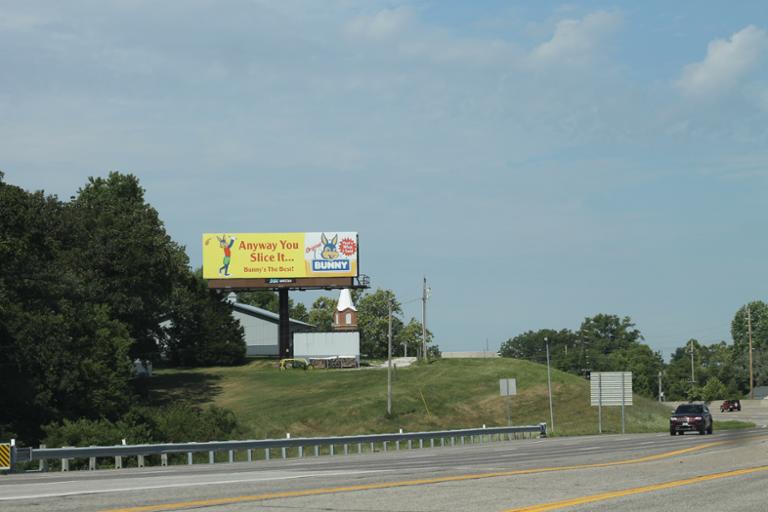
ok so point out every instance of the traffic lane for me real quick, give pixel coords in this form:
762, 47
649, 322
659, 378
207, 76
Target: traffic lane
526, 491
206, 486
746, 493
495, 456
502, 455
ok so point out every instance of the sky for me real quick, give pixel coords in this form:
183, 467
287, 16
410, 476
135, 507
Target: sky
538, 162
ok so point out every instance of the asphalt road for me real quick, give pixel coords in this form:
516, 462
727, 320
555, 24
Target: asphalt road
645, 472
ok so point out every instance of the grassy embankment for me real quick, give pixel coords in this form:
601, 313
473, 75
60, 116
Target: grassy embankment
456, 394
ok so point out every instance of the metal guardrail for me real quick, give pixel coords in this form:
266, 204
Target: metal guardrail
383, 440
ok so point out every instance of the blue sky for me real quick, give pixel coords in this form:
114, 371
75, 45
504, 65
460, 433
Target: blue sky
539, 162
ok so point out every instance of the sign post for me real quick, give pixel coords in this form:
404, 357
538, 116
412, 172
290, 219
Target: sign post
508, 388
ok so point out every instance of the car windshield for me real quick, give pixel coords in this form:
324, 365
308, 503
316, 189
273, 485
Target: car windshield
689, 408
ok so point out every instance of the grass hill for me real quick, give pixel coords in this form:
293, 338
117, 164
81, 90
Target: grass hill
448, 393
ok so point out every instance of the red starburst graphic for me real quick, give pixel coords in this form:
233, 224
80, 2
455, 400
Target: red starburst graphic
347, 247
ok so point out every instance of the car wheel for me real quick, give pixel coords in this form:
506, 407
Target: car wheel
722, 410
709, 430
672, 432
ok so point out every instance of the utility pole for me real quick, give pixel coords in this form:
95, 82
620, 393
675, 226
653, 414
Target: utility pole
751, 377
389, 360
660, 392
690, 346
424, 319
549, 388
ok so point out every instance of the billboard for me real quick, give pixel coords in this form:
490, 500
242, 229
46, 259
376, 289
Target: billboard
280, 255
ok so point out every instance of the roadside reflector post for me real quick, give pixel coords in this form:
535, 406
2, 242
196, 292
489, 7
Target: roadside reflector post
163, 459
91, 463
118, 462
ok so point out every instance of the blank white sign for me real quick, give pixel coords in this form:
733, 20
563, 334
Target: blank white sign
508, 387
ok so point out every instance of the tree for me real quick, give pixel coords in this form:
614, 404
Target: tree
321, 314
758, 316
714, 390
411, 336
373, 320
125, 256
201, 330
64, 355
531, 346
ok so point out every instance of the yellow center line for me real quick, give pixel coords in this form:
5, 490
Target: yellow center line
545, 507
404, 483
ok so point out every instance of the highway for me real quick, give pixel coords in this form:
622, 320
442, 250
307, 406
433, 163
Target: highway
648, 472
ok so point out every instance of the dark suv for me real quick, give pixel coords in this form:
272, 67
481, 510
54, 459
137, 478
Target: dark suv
730, 405
690, 417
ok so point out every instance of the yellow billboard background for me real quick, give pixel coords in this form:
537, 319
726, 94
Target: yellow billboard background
279, 255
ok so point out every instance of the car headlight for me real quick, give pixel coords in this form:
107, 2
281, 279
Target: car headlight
698, 418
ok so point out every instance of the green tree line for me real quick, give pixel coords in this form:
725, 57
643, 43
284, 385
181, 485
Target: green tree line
610, 343
86, 286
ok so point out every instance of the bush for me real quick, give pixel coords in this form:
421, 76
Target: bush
175, 424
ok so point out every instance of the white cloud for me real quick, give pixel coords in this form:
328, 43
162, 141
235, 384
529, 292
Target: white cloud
727, 63
576, 41
382, 25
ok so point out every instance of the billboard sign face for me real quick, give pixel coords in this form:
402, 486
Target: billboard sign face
280, 256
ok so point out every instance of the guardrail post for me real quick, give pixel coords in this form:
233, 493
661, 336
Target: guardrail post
65, 464
421, 444
453, 441
231, 456
91, 463
385, 445
331, 447
211, 457
140, 461
346, 449
163, 459
397, 444
317, 450
431, 443
43, 465
118, 462
282, 450
189, 458
266, 453
462, 440
410, 444
373, 449
249, 455
359, 448
301, 452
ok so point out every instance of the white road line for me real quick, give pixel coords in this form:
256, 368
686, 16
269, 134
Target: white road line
188, 484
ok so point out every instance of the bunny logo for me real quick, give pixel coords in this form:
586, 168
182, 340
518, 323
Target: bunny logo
329, 256
329, 247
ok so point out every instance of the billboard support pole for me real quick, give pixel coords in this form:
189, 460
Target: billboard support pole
284, 334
